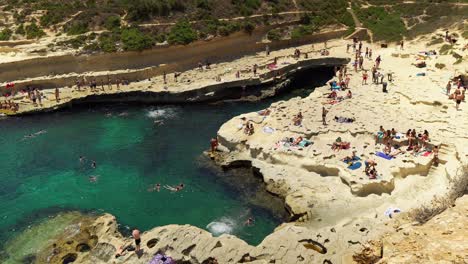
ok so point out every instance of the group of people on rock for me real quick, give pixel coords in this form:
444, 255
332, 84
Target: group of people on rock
9, 105
93, 84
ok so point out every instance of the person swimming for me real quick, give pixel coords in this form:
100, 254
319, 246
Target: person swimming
92, 178
93, 164
177, 188
249, 221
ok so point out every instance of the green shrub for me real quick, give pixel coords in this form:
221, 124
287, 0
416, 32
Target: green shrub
135, 40
465, 34
435, 41
440, 66
247, 7
20, 30
274, 34
456, 55
445, 49
107, 43
384, 24
182, 33
112, 23
139, 10
77, 28
75, 43
51, 18
34, 32
249, 27
302, 31
6, 34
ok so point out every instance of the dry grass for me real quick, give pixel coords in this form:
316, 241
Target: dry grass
459, 186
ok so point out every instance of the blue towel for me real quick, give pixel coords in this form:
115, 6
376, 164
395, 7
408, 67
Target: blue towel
383, 155
355, 166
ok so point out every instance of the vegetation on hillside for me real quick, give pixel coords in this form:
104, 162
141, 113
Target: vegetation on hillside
140, 24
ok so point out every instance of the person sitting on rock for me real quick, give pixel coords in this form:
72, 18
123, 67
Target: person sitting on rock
297, 120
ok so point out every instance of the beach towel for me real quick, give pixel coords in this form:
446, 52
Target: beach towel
383, 155
355, 166
304, 143
272, 66
161, 259
421, 74
390, 211
268, 130
427, 153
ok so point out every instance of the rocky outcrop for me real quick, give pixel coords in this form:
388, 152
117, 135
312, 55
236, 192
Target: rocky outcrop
441, 240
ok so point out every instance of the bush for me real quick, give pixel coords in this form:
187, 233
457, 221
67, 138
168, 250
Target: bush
182, 33
112, 23
107, 43
435, 41
51, 18
6, 34
440, 66
20, 30
75, 42
445, 49
139, 10
249, 27
77, 28
384, 25
135, 40
465, 34
34, 32
302, 31
274, 34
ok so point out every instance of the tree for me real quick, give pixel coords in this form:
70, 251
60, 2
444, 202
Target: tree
182, 33
134, 39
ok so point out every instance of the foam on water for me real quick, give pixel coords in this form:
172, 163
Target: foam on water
162, 113
224, 225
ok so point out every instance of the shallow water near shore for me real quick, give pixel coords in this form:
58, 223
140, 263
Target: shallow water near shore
134, 148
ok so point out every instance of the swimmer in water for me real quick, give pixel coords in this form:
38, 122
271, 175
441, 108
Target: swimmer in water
92, 178
249, 221
158, 187
93, 164
82, 159
40, 132
177, 188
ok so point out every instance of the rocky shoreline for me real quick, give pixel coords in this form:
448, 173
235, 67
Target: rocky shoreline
336, 209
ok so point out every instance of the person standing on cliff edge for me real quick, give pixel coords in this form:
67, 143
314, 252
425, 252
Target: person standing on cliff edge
57, 95
136, 236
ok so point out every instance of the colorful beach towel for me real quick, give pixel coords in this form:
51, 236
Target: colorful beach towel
161, 259
355, 166
427, 153
383, 155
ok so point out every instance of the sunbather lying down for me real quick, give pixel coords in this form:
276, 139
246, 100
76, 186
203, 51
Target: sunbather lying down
341, 119
341, 145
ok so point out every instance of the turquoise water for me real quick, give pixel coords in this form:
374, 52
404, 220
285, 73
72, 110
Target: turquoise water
42, 175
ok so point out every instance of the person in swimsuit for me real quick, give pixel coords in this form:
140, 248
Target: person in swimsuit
136, 236
324, 116
458, 99
93, 164
249, 221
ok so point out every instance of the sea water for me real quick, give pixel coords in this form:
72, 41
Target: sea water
134, 147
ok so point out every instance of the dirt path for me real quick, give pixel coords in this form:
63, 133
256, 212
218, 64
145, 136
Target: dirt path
298, 12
